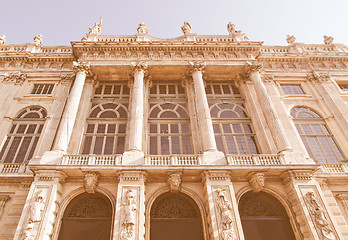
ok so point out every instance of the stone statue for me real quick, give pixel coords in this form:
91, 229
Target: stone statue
232, 29
142, 29
290, 39
35, 213
174, 181
226, 219
320, 220
96, 29
328, 39
2, 39
129, 212
186, 28
91, 182
38, 39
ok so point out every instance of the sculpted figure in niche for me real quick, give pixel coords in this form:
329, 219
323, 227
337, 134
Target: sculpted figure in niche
186, 28
319, 217
96, 29
142, 29
226, 219
129, 213
35, 213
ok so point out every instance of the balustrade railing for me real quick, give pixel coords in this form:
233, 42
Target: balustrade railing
168, 160
261, 159
335, 168
100, 160
12, 168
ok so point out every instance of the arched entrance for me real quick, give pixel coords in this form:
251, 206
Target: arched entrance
175, 216
264, 218
87, 217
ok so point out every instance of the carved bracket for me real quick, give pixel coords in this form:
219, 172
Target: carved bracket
319, 77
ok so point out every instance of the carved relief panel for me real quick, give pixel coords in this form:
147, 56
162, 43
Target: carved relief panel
129, 213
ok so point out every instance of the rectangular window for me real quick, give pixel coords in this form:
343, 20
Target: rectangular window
42, 89
292, 89
221, 90
112, 90
344, 87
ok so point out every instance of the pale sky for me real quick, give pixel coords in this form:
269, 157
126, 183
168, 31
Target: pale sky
62, 21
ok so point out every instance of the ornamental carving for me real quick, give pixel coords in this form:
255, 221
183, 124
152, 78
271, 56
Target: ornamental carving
139, 67
196, 66
2, 39
174, 182
82, 67
38, 39
35, 215
129, 215
17, 78
257, 181
319, 76
142, 29
237, 34
328, 40
91, 206
252, 67
226, 221
3, 200
290, 39
91, 181
173, 206
186, 28
317, 213
343, 197
67, 77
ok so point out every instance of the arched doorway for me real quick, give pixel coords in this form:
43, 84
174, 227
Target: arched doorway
87, 217
175, 216
264, 218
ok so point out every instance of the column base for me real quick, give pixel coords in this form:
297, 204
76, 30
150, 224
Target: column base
133, 158
49, 158
214, 158
295, 157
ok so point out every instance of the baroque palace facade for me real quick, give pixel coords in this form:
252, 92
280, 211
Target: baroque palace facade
196, 137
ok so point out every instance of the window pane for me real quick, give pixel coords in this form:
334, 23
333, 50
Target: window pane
109, 145
87, 145
187, 145
98, 145
120, 145
175, 145
153, 145
164, 145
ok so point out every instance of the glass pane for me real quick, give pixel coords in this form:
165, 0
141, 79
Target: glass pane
120, 145
101, 128
175, 145
153, 128
12, 150
164, 128
23, 150
187, 145
107, 89
219, 144
109, 145
237, 128
185, 128
164, 145
21, 128
31, 128
171, 89
32, 150
252, 145
87, 145
216, 128
226, 128
153, 145
98, 145
122, 128
231, 145
111, 128
90, 128
174, 128
241, 143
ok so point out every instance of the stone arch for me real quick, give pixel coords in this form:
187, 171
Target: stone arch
94, 209
188, 194
265, 216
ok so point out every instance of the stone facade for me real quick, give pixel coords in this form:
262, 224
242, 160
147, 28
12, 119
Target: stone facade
134, 117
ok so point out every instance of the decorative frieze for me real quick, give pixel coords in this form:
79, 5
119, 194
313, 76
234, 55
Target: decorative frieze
17, 78
297, 175
90, 181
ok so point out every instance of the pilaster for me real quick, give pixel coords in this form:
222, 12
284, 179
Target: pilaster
223, 216
130, 206
310, 206
39, 213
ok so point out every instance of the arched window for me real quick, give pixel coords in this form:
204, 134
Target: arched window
24, 135
169, 129
88, 216
106, 129
264, 217
175, 216
231, 123
318, 140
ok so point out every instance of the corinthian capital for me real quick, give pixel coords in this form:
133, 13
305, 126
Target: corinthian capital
139, 67
196, 66
252, 67
319, 77
17, 78
82, 67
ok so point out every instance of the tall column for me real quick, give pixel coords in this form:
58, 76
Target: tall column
331, 97
270, 113
309, 204
39, 213
211, 155
224, 220
134, 153
69, 115
130, 206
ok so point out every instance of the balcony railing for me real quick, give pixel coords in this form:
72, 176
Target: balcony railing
168, 160
12, 168
335, 168
261, 159
89, 160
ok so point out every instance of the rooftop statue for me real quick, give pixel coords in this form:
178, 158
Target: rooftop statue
38, 39
290, 39
142, 29
96, 29
237, 34
2, 39
186, 28
328, 39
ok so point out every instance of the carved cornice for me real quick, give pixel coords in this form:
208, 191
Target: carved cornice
216, 176
304, 175
82, 67
132, 176
319, 77
17, 78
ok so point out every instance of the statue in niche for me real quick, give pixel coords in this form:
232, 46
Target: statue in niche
142, 29
320, 220
129, 211
226, 219
186, 28
35, 213
96, 29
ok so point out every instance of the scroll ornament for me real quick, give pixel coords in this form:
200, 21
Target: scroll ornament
320, 221
226, 219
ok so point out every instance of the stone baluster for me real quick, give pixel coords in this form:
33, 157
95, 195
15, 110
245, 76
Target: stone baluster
69, 115
270, 113
134, 151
